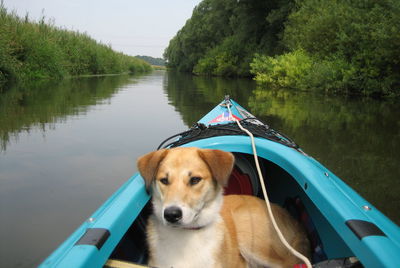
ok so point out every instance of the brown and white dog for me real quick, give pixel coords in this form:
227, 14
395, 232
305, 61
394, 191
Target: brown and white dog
194, 225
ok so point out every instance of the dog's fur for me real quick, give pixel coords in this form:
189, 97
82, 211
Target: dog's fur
214, 230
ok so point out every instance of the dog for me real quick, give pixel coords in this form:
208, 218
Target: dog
194, 225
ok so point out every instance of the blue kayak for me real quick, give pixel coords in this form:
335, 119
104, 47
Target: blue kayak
344, 229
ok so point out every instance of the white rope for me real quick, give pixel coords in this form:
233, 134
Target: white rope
260, 176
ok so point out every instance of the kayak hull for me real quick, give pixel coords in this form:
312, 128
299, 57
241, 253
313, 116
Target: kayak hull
116, 215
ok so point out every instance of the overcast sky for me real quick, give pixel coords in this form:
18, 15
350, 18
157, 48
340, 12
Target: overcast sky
131, 26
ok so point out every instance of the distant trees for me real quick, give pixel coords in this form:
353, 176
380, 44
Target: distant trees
152, 61
329, 45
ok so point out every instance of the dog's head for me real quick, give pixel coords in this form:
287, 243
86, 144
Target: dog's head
186, 184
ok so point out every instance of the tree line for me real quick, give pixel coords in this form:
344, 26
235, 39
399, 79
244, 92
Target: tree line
347, 46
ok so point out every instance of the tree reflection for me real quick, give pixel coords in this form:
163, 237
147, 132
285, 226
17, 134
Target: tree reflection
43, 104
358, 139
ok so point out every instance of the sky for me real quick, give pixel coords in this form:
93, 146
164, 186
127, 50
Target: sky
133, 27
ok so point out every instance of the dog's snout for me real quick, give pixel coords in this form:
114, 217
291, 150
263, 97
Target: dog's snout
173, 214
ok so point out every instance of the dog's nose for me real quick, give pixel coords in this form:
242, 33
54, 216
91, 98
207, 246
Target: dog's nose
172, 214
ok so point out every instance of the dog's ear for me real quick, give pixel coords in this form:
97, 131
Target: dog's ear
148, 165
219, 162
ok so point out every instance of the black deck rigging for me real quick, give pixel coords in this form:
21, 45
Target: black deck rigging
201, 131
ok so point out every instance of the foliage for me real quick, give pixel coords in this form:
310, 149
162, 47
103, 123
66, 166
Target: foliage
282, 71
220, 61
354, 45
298, 70
222, 36
326, 45
34, 50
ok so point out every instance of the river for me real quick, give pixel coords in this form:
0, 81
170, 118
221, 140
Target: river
65, 147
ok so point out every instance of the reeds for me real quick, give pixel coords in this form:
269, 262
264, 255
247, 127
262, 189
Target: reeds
35, 50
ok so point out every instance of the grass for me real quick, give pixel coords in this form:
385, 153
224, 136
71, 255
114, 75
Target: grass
32, 50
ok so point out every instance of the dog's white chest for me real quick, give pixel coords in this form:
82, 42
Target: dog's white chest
185, 248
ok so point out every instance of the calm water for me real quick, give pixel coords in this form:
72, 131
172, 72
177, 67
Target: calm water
66, 147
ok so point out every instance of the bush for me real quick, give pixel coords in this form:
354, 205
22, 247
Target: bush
287, 71
298, 70
226, 59
205, 66
331, 75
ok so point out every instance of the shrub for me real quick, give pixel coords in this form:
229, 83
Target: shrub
298, 70
287, 70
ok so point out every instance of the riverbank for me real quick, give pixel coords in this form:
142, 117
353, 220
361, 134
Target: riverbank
32, 50
344, 47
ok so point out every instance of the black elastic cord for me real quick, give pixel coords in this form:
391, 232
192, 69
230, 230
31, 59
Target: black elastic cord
199, 131
176, 135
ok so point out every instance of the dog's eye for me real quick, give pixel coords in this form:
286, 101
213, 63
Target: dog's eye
194, 180
164, 181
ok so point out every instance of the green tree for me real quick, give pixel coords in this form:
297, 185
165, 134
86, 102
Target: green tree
362, 34
222, 36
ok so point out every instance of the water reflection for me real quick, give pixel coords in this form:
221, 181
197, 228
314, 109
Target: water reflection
43, 104
64, 155
358, 139
194, 96
77, 144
